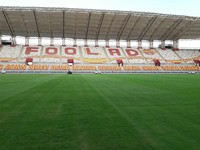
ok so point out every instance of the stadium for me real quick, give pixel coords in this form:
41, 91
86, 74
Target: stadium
122, 94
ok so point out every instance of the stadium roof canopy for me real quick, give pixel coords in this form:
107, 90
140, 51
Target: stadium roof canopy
96, 24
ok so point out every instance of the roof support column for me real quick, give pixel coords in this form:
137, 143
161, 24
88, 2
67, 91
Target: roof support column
0, 41
175, 44
139, 44
75, 42
117, 44
85, 43
26, 41
150, 44
51, 41
107, 43
39, 41
63, 42
129, 44
96, 43
13, 41
162, 45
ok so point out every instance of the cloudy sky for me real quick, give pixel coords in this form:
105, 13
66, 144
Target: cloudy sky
180, 7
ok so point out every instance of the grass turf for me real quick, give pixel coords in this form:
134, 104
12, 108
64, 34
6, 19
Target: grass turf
91, 112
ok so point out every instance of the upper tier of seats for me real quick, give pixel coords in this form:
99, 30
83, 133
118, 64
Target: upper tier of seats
188, 55
94, 55
9, 53
150, 55
169, 56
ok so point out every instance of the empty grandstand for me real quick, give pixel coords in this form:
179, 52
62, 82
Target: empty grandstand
96, 25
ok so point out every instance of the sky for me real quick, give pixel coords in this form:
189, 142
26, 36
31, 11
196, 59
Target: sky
177, 7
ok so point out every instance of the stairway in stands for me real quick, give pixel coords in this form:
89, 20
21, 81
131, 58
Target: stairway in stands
81, 54
179, 56
104, 50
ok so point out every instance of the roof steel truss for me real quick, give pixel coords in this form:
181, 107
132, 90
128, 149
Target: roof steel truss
96, 24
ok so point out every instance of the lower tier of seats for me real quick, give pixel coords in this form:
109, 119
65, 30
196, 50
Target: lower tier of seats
53, 67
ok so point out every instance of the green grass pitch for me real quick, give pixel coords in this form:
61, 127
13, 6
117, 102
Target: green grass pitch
99, 112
